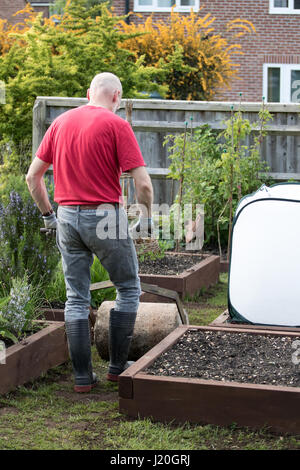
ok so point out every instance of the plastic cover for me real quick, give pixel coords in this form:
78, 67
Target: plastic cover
264, 273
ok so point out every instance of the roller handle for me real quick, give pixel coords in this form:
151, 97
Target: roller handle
48, 231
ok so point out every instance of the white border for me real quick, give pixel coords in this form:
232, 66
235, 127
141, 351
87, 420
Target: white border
155, 8
283, 11
285, 81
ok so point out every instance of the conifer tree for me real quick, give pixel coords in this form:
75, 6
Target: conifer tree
61, 60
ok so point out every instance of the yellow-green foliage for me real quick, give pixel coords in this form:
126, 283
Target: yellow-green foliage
6, 29
61, 59
197, 61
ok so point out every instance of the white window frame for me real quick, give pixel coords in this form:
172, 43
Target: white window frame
290, 10
155, 8
285, 81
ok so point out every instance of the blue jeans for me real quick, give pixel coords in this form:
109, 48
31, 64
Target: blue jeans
79, 235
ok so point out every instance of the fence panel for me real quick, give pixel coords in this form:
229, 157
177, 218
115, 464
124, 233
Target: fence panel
152, 120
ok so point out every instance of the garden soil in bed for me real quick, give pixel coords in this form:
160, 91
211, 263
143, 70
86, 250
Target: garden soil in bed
238, 357
169, 264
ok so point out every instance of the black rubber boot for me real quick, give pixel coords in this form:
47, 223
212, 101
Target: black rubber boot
121, 326
79, 343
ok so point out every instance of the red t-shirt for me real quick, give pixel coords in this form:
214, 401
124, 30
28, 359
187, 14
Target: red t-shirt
89, 148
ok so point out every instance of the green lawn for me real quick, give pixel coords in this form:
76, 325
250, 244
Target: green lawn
46, 414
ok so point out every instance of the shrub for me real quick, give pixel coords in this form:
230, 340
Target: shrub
15, 161
52, 59
24, 250
196, 61
19, 309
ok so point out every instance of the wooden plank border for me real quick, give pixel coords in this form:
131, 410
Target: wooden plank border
195, 400
32, 357
203, 274
222, 320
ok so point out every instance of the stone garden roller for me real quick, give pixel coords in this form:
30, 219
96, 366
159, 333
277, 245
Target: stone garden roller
154, 321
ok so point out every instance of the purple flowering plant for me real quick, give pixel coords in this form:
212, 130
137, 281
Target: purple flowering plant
24, 250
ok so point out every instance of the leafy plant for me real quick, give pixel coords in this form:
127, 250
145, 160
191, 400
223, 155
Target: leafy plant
99, 274
241, 166
14, 161
19, 309
145, 252
217, 170
169, 228
166, 245
55, 290
200, 173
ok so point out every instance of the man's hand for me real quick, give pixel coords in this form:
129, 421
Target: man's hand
50, 222
143, 228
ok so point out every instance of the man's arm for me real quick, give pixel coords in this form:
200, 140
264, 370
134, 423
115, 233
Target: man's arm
144, 190
36, 184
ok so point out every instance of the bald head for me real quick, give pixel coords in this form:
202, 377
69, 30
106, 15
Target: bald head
105, 90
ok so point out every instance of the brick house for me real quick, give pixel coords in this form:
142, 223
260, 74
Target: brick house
9, 7
42, 6
270, 65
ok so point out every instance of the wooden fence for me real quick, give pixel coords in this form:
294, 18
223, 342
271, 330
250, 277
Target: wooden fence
152, 120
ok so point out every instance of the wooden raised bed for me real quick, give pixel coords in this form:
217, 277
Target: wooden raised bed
189, 282
58, 314
53, 314
224, 320
224, 266
194, 400
33, 356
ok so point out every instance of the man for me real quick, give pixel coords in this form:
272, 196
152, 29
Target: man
89, 148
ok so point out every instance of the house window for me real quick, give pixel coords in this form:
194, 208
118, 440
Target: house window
166, 5
282, 83
285, 6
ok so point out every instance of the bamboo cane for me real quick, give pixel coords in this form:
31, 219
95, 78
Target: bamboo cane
181, 177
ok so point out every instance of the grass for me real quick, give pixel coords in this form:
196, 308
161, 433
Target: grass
208, 304
47, 415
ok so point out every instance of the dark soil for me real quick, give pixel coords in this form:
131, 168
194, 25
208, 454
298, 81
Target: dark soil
238, 357
169, 264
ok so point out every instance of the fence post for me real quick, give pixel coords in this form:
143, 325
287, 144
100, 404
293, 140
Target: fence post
38, 125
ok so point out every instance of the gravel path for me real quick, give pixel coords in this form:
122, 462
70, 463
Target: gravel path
238, 357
